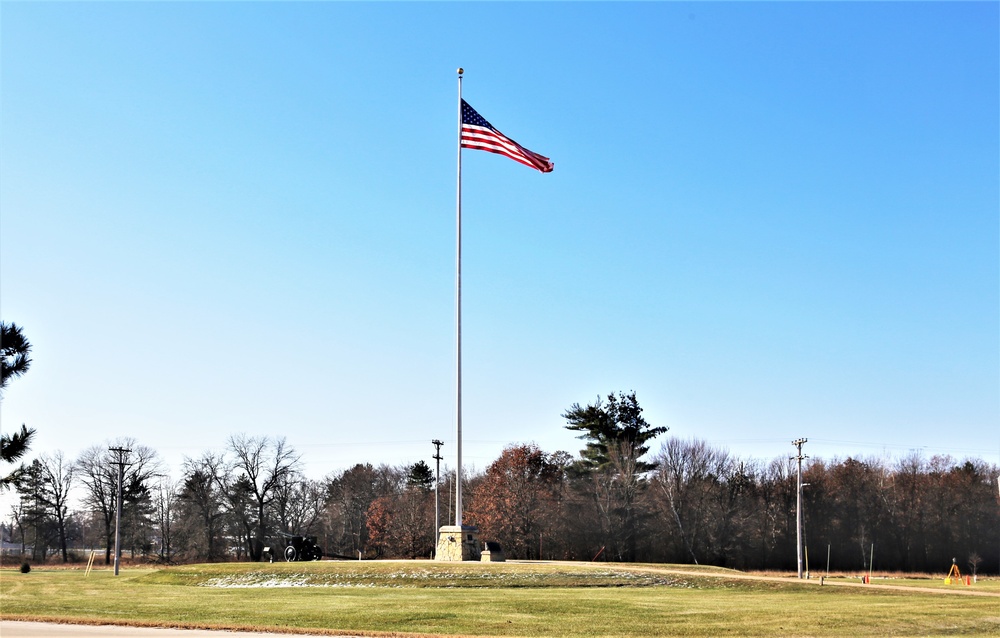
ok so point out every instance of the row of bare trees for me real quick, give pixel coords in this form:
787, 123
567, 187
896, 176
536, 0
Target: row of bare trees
224, 505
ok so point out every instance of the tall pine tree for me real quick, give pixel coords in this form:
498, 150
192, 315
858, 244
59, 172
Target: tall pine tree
610, 428
617, 437
14, 361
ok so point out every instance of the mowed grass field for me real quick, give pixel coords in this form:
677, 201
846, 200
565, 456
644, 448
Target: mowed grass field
498, 599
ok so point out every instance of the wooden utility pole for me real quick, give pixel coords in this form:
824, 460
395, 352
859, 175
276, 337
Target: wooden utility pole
437, 482
122, 458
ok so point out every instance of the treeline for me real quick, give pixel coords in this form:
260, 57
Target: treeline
685, 503
699, 504
688, 503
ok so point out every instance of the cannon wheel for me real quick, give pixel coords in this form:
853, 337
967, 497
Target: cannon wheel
290, 553
317, 554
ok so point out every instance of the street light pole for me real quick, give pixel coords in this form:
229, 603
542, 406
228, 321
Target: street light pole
798, 503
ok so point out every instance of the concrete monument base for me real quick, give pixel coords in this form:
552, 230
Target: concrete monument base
457, 543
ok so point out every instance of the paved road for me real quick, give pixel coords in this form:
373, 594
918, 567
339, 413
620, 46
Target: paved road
15, 629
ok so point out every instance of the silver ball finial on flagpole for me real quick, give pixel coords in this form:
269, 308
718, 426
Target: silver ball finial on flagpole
461, 70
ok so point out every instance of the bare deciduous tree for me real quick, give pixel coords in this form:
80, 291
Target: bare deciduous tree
165, 501
684, 472
263, 464
58, 481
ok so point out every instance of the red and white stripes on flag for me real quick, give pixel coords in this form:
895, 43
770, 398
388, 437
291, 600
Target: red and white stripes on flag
479, 134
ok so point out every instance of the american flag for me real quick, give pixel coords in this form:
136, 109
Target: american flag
479, 134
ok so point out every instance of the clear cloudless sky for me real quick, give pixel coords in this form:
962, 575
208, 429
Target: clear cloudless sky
770, 221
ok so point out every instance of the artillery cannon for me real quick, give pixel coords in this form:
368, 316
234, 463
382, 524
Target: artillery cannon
301, 547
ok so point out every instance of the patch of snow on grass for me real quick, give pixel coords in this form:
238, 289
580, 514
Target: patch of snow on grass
243, 581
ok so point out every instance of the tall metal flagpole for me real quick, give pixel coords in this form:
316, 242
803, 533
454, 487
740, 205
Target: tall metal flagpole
458, 319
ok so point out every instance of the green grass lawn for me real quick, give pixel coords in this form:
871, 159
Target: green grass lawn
509, 599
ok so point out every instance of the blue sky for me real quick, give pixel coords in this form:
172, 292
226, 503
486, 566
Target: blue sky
771, 221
